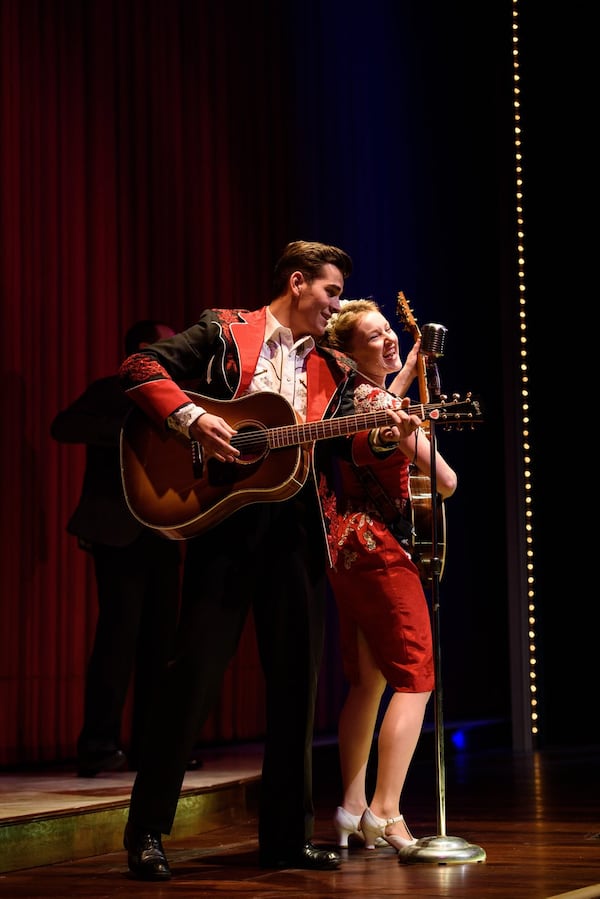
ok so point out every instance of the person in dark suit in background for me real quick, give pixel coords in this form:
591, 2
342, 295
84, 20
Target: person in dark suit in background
137, 574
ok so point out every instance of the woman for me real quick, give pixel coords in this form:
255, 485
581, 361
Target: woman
384, 617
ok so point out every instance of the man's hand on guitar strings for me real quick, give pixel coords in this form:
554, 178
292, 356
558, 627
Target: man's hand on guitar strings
214, 435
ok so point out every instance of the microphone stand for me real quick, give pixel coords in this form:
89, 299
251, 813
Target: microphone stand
440, 849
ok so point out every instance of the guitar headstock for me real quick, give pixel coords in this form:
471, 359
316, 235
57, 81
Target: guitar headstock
455, 414
406, 316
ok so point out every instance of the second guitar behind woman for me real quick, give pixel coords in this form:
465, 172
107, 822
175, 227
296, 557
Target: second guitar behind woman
385, 626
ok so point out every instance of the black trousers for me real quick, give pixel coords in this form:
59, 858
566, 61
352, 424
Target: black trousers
138, 590
269, 557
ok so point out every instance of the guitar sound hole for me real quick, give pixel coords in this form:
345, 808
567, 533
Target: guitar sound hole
251, 441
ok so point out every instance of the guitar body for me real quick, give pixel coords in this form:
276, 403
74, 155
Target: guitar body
167, 490
423, 521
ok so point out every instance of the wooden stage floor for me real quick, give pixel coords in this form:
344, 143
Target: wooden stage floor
533, 817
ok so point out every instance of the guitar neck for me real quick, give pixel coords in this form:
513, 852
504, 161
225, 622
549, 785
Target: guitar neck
325, 429
308, 432
422, 378
410, 324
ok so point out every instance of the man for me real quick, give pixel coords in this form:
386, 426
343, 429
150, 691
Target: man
137, 574
268, 556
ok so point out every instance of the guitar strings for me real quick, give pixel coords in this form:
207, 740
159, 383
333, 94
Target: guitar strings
285, 435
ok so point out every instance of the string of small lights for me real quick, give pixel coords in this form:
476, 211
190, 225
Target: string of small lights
524, 380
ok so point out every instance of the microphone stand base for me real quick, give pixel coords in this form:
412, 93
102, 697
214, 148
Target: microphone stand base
442, 851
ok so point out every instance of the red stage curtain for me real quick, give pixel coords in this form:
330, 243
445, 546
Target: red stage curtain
140, 173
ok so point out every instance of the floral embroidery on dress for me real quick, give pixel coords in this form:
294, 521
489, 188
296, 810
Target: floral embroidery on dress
349, 558
353, 527
328, 504
369, 538
353, 531
368, 398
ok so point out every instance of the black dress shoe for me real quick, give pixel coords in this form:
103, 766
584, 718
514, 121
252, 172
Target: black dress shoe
308, 856
91, 763
145, 854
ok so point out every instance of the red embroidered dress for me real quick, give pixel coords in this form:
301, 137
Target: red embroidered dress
376, 585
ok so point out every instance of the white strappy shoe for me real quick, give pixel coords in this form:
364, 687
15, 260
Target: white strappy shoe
347, 825
373, 827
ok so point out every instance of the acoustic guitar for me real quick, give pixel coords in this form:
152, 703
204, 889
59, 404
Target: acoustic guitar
170, 488
420, 484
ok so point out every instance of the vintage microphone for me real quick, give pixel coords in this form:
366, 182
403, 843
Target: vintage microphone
441, 849
433, 338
